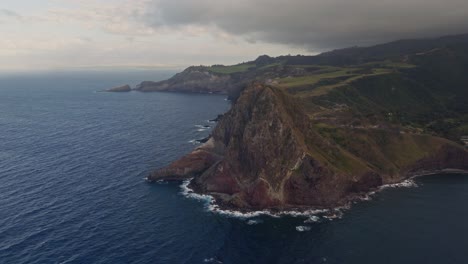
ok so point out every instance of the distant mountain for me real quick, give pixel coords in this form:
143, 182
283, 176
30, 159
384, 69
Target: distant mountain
393, 50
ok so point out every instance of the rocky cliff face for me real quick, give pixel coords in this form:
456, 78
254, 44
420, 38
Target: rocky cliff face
266, 153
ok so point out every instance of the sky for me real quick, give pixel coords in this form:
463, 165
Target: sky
101, 34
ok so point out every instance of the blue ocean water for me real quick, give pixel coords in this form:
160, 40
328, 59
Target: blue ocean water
72, 163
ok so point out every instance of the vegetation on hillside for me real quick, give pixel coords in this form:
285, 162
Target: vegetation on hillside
416, 86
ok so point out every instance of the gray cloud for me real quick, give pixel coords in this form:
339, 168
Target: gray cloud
315, 24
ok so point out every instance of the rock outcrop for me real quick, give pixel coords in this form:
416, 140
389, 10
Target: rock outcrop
120, 89
190, 165
266, 153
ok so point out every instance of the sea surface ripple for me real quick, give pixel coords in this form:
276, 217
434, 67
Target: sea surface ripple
72, 163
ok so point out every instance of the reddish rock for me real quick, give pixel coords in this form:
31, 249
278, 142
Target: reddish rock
189, 166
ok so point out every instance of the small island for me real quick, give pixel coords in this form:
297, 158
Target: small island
120, 89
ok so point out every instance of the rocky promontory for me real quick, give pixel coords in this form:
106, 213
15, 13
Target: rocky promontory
320, 131
120, 89
267, 153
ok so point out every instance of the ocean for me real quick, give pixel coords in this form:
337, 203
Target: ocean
72, 189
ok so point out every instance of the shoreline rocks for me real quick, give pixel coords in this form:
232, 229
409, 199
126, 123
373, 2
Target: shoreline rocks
217, 118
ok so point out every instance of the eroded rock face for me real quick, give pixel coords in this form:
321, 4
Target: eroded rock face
260, 147
265, 153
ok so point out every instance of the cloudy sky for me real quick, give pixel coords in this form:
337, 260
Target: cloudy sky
51, 34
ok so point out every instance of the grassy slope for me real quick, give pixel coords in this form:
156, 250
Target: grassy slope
402, 108
231, 69
419, 86
383, 151
355, 151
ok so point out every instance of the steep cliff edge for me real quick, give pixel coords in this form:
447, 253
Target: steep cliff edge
267, 153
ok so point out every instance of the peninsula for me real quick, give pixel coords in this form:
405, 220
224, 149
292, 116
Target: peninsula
319, 131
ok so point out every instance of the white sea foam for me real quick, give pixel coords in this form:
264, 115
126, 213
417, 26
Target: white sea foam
312, 215
211, 206
254, 221
365, 197
201, 128
335, 214
312, 219
404, 184
194, 141
237, 214
187, 192
409, 183
211, 260
306, 213
303, 228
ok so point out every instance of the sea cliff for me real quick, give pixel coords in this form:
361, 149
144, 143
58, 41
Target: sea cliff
266, 152
320, 131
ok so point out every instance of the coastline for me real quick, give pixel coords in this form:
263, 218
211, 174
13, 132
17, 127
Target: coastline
442, 171
313, 214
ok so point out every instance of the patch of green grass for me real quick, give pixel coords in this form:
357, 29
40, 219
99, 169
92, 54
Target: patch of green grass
388, 64
270, 66
463, 129
399, 65
289, 82
325, 89
316, 85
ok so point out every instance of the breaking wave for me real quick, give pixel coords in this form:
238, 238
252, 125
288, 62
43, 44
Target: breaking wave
254, 221
211, 206
303, 228
409, 183
312, 215
201, 128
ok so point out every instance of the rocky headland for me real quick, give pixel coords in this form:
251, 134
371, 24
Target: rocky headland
266, 153
320, 131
